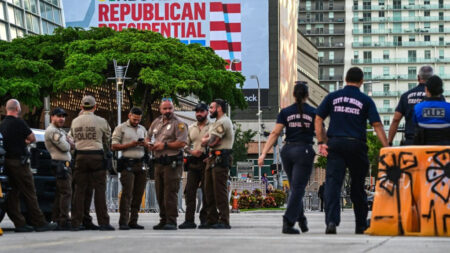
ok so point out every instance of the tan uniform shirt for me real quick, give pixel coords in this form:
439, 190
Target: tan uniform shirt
90, 132
223, 128
172, 130
195, 136
126, 133
57, 144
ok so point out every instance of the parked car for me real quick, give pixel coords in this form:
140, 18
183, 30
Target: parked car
44, 180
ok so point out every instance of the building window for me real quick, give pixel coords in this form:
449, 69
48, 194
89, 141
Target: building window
426, 13
330, 4
308, 5
412, 2
441, 28
441, 53
381, 14
331, 15
386, 71
367, 28
441, 41
331, 56
381, 2
367, 16
367, 88
386, 87
2, 14
412, 38
367, 4
320, 56
412, 55
381, 26
367, 56
331, 28
441, 16
355, 4
426, 38
3, 35
441, 70
427, 54
412, 72
386, 103
386, 54
381, 39
426, 2
411, 85
331, 72
412, 26
355, 55
367, 73
426, 25
319, 5
331, 87
386, 121
397, 4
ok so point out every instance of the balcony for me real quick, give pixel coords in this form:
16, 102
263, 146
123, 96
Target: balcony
320, 21
386, 110
331, 62
328, 45
325, 9
401, 44
398, 61
324, 32
330, 78
405, 7
399, 19
384, 93
403, 31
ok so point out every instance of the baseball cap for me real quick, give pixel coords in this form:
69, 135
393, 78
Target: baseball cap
201, 107
88, 101
58, 111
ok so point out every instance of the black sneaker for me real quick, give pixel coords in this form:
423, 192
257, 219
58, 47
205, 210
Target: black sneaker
204, 226
24, 229
64, 227
90, 226
187, 225
360, 230
221, 226
124, 227
106, 227
303, 226
159, 226
288, 228
46, 227
135, 226
170, 227
331, 228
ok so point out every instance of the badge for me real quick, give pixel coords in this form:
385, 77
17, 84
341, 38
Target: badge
220, 129
155, 131
67, 164
168, 127
181, 126
56, 136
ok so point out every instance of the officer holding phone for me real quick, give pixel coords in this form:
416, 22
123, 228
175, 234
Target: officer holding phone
129, 138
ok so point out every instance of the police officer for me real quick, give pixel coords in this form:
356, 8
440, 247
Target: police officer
130, 138
405, 107
219, 140
297, 154
196, 166
91, 135
170, 137
432, 116
16, 136
349, 109
59, 145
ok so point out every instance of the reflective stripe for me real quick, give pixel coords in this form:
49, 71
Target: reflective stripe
435, 126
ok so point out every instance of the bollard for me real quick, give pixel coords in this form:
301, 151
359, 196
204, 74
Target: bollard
1, 231
235, 208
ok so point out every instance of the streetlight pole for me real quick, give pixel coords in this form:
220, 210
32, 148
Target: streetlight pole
259, 122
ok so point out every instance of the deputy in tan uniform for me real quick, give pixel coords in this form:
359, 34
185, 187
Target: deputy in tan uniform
170, 135
130, 138
90, 133
196, 166
59, 145
220, 141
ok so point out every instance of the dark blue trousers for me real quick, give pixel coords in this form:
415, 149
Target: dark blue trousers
297, 163
352, 154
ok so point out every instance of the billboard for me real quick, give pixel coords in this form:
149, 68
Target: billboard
234, 29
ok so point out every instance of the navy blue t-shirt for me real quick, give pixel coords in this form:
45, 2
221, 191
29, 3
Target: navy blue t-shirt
406, 107
298, 129
349, 109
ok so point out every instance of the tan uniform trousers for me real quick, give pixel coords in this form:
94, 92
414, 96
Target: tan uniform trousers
133, 187
89, 170
217, 203
22, 184
167, 184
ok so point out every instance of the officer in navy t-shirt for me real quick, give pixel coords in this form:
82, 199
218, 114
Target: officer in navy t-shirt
405, 107
348, 109
297, 155
432, 116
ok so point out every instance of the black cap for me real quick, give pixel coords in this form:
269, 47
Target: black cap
201, 107
58, 111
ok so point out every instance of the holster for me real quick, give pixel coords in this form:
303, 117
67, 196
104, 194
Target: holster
174, 161
221, 158
190, 160
61, 169
107, 161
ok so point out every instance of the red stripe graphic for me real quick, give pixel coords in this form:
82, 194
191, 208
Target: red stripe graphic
221, 26
224, 45
216, 6
236, 66
232, 8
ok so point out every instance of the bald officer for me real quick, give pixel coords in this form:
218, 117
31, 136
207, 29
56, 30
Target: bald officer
59, 145
220, 141
91, 134
170, 135
129, 138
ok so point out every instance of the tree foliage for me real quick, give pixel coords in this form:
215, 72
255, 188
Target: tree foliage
374, 152
37, 66
240, 145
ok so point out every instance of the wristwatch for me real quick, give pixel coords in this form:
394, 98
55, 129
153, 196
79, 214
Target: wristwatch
320, 142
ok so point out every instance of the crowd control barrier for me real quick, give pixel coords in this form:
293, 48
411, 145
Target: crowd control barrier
412, 192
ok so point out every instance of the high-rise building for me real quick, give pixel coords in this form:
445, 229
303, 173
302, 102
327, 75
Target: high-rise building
20, 17
323, 22
390, 41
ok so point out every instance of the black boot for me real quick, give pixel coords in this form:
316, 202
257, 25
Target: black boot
288, 227
303, 225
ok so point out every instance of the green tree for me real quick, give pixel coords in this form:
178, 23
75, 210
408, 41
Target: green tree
321, 162
240, 145
37, 66
373, 153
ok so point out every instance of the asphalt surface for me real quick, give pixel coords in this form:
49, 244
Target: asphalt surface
251, 232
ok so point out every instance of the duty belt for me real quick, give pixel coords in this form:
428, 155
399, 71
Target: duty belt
89, 152
297, 143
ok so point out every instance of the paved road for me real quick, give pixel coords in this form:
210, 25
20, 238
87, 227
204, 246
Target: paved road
252, 232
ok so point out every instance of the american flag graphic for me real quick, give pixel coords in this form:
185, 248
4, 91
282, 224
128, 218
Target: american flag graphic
225, 32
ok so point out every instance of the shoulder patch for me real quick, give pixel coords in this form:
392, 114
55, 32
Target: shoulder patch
56, 136
220, 129
181, 126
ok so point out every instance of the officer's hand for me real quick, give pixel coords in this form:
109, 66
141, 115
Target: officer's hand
196, 153
158, 146
205, 140
323, 149
261, 160
134, 144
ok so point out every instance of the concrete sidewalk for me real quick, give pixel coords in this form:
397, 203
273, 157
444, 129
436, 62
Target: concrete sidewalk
252, 232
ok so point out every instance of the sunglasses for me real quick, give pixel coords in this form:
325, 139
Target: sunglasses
166, 99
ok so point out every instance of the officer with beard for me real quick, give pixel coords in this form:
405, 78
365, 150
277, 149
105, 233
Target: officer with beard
170, 136
220, 140
196, 166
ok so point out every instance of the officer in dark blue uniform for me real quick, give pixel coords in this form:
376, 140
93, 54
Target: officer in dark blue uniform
406, 105
432, 117
297, 154
349, 109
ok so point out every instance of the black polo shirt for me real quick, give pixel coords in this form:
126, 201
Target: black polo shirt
349, 109
298, 129
406, 107
14, 131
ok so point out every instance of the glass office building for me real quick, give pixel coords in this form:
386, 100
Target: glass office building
20, 17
